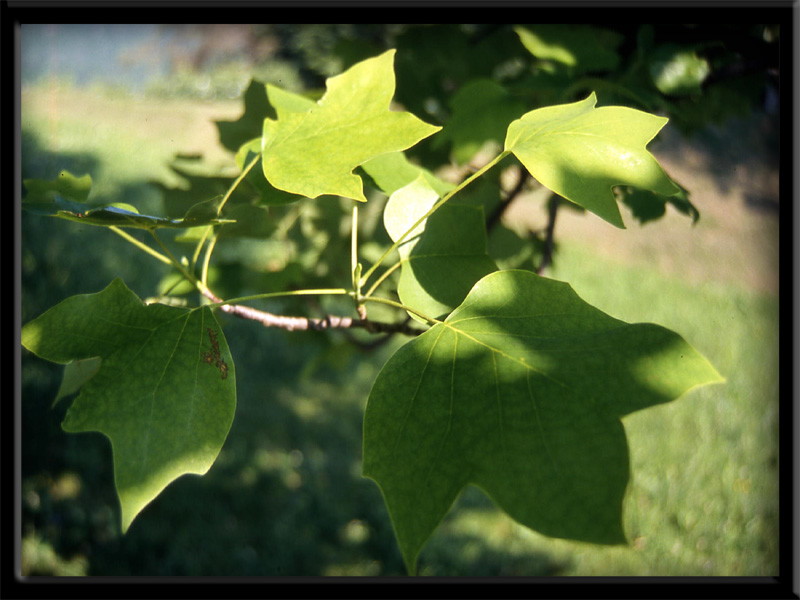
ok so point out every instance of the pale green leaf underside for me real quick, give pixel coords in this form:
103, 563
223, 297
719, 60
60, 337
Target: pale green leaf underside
166, 409
314, 152
520, 392
444, 256
580, 152
76, 373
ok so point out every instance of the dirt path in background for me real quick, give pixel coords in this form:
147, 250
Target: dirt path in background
731, 173
732, 176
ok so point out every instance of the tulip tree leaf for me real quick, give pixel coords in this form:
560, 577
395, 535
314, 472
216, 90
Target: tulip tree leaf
165, 392
444, 256
314, 153
580, 152
520, 392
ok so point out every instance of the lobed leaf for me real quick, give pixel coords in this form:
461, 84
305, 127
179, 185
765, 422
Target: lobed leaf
165, 391
580, 152
520, 392
314, 152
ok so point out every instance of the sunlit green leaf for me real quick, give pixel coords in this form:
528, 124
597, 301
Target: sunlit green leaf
519, 392
581, 152
268, 195
165, 392
315, 152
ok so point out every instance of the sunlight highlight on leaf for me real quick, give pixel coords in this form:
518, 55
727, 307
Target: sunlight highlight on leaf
165, 411
314, 153
520, 392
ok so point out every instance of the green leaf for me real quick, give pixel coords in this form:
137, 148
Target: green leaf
482, 110
580, 152
267, 194
392, 171
286, 102
519, 392
165, 393
677, 70
444, 256
315, 152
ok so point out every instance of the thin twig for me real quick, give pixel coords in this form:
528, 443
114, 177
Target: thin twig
291, 323
497, 213
547, 257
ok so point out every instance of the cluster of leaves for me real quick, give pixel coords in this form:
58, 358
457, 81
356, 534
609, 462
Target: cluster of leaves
514, 384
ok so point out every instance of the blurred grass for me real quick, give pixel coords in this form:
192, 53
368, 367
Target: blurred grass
285, 496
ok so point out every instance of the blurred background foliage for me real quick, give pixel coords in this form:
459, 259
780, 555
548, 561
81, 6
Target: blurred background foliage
286, 496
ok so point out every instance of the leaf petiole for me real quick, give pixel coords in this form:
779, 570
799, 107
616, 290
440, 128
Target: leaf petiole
238, 180
234, 185
382, 278
388, 302
433, 209
317, 292
140, 245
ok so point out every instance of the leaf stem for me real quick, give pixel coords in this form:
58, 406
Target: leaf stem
433, 209
316, 292
402, 306
207, 260
140, 245
176, 263
382, 278
355, 266
202, 241
236, 183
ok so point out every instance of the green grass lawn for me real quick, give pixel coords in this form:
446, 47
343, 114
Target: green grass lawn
285, 496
